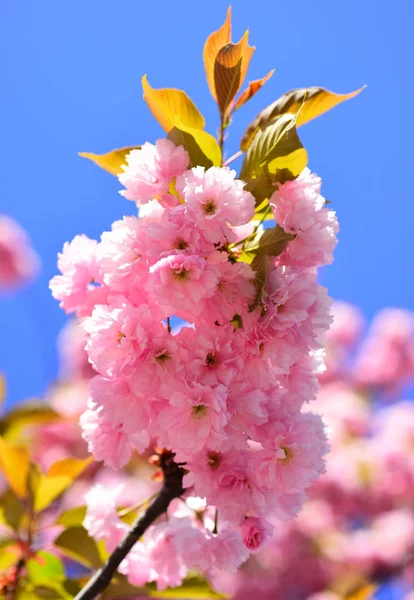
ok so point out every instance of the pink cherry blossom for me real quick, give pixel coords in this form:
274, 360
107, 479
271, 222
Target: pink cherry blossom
254, 532
19, 263
216, 199
151, 169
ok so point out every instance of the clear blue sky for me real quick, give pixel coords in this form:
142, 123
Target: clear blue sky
71, 82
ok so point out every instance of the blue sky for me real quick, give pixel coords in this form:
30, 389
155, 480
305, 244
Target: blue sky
71, 82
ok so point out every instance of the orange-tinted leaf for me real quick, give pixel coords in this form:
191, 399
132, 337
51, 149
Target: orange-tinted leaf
247, 54
111, 161
215, 42
169, 105
252, 89
313, 102
14, 464
230, 71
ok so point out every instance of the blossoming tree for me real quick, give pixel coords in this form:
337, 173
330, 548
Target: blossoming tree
205, 326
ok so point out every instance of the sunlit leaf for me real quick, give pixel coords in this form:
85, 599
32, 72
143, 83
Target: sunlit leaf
76, 543
193, 587
69, 467
44, 567
30, 412
72, 516
215, 42
11, 510
169, 105
59, 477
251, 90
111, 161
14, 464
273, 148
315, 100
202, 147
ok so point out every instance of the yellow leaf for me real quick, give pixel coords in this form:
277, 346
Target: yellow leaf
23, 415
252, 89
313, 102
58, 478
111, 161
14, 464
169, 105
202, 147
230, 70
69, 467
215, 42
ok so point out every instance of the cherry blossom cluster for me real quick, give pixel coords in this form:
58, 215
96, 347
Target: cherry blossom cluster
224, 388
358, 522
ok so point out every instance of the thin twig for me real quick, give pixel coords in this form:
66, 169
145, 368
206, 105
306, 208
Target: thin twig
232, 158
172, 488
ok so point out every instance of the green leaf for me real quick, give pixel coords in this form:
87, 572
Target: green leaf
111, 161
271, 242
315, 101
202, 147
72, 516
11, 510
45, 567
276, 148
58, 478
260, 265
169, 105
192, 588
76, 543
30, 412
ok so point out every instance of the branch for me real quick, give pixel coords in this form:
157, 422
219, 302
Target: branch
172, 488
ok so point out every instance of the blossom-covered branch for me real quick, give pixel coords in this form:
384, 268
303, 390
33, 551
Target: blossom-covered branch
172, 488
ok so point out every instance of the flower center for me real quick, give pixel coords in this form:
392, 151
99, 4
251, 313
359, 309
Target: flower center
214, 460
181, 275
288, 455
199, 411
120, 336
162, 356
210, 360
209, 207
180, 244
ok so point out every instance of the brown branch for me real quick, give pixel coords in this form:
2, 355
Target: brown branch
172, 488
